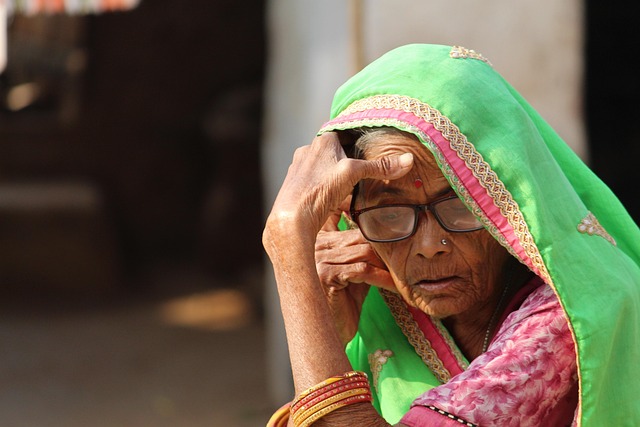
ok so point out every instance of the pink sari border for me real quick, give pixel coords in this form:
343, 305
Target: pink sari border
438, 342
419, 416
457, 165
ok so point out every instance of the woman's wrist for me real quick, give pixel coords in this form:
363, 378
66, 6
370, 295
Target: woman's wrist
286, 231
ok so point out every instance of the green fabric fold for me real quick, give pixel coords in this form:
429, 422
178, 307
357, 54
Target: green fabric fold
596, 276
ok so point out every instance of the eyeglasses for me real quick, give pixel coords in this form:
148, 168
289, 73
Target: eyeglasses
391, 223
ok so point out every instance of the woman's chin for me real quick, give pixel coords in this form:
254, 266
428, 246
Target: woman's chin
438, 307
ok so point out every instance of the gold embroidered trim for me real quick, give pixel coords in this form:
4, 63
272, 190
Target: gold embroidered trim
591, 226
446, 169
376, 360
451, 343
414, 335
459, 52
474, 161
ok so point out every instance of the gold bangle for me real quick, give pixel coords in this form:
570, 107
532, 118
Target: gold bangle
280, 418
300, 417
327, 392
328, 381
321, 413
315, 387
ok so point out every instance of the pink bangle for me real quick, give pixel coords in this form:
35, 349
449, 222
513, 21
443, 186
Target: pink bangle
301, 415
321, 413
329, 395
329, 381
328, 391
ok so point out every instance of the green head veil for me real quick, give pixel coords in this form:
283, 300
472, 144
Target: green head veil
532, 193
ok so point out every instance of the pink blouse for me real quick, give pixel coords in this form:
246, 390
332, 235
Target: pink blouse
527, 377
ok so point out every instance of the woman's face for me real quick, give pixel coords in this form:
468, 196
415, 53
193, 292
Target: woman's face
463, 276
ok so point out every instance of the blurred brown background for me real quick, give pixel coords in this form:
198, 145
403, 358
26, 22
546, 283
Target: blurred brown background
131, 208
130, 217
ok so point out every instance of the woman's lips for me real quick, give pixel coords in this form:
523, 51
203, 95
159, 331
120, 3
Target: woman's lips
436, 285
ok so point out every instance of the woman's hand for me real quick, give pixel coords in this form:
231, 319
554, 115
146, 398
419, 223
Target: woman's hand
319, 179
347, 265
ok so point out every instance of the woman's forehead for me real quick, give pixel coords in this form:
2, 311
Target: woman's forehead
425, 178
405, 189
425, 165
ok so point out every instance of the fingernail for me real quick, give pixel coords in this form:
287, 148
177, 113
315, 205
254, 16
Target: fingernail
406, 160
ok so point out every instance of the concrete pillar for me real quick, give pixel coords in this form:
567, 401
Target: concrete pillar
307, 61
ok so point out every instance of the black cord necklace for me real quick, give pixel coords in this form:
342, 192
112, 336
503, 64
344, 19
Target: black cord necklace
496, 311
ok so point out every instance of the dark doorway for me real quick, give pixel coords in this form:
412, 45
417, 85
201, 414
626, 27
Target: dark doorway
612, 92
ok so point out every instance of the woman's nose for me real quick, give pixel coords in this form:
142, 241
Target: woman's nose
430, 238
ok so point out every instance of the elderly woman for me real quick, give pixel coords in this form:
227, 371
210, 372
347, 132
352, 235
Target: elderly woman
487, 276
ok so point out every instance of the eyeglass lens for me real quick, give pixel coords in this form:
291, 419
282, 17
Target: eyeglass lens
396, 222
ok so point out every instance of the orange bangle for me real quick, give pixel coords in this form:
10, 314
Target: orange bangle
350, 387
280, 418
327, 382
341, 385
301, 416
321, 413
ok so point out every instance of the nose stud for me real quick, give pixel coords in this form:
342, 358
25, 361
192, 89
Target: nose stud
444, 241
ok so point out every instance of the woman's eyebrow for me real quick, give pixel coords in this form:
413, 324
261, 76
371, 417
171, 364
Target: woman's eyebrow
398, 191
444, 192
386, 190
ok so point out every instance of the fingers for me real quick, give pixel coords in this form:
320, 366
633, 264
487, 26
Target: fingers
344, 243
385, 168
340, 276
334, 218
345, 257
391, 167
319, 181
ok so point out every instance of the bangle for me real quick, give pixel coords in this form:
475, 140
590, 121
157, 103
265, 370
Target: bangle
300, 416
346, 402
328, 391
280, 418
329, 395
329, 381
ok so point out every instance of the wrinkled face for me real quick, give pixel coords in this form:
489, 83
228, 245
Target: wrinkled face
458, 278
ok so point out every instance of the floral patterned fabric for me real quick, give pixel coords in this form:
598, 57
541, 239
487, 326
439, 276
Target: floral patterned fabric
527, 377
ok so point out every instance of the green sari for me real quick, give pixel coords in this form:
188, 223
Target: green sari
533, 194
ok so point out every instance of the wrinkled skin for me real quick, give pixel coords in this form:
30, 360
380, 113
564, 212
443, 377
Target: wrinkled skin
319, 179
460, 282
347, 266
311, 262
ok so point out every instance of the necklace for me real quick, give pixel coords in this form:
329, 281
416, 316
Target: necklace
494, 316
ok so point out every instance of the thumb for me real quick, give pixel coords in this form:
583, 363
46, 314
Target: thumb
391, 167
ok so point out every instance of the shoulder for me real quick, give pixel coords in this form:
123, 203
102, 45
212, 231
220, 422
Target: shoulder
526, 372
543, 298
540, 314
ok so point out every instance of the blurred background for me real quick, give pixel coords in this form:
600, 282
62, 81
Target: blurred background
142, 143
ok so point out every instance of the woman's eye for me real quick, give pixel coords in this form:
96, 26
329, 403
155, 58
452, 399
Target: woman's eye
390, 217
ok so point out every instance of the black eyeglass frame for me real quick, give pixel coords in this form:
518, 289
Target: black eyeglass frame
355, 213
